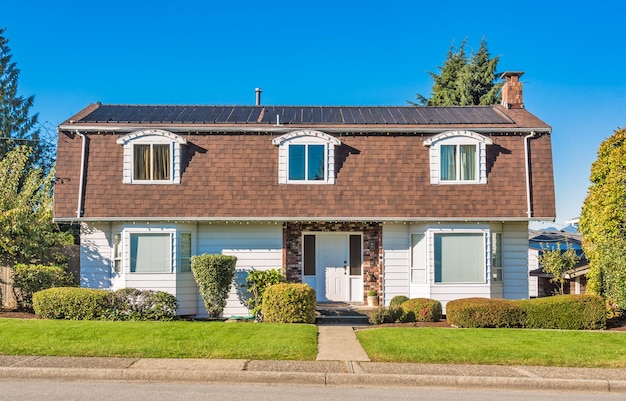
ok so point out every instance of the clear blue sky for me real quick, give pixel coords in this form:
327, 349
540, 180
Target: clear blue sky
73, 53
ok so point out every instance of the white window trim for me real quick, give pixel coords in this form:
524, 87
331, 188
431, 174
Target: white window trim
486, 233
458, 138
152, 136
126, 251
306, 137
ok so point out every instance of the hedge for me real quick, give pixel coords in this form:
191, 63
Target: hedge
566, 312
30, 278
484, 312
289, 303
72, 303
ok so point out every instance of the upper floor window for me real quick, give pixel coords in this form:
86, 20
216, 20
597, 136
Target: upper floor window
458, 157
306, 157
152, 157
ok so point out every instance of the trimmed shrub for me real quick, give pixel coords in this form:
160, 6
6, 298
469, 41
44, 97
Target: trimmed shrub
386, 315
134, 304
28, 279
566, 312
423, 309
289, 303
214, 275
72, 303
256, 283
398, 300
484, 312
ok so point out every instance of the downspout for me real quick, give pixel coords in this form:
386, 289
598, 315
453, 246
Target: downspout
79, 210
529, 209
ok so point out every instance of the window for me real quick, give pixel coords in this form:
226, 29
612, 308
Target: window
309, 255
496, 257
306, 157
185, 252
458, 163
458, 157
307, 162
356, 255
459, 258
152, 157
418, 258
152, 162
150, 253
117, 252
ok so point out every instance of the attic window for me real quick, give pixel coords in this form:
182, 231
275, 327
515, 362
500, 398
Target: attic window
151, 157
458, 157
306, 157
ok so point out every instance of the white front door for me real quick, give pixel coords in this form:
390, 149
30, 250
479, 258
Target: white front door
332, 268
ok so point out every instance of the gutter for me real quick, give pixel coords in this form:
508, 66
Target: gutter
79, 209
529, 206
276, 220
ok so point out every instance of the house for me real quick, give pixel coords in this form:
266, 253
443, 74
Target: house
539, 284
418, 201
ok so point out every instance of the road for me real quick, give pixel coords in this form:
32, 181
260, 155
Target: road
12, 390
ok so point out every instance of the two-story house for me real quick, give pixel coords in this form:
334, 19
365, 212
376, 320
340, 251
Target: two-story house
418, 201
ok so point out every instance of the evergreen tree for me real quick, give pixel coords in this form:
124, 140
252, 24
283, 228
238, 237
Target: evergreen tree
603, 221
17, 125
464, 80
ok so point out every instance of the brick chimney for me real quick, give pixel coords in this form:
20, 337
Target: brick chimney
512, 90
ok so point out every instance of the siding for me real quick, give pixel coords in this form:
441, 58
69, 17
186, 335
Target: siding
515, 260
95, 255
396, 247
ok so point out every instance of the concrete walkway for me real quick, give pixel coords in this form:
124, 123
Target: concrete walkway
339, 343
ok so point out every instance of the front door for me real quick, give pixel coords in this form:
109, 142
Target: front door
332, 268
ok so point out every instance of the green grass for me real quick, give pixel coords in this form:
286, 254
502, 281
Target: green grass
176, 339
496, 346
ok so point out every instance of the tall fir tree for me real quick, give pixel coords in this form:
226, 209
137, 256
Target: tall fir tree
464, 80
17, 125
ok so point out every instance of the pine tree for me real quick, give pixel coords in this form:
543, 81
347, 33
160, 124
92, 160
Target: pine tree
464, 80
17, 125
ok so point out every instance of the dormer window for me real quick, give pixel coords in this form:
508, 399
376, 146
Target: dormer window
151, 157
306, 157
458, 157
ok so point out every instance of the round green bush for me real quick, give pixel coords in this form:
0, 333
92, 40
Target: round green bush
289, 303
398, 300
424, 309
72, 303
134, 304
386, 315
30, 278
484, 312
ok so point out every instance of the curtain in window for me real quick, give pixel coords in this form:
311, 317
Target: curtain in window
448, 162
141, 162
316, 163
468, 162
459, 258
150, 253
161, 162
296, 162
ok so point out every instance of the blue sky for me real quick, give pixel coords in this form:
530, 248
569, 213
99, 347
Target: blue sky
73, 53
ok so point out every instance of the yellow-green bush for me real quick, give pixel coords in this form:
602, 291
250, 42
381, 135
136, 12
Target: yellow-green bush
398, 300
30, 278
566, 312
72, 303
484, 312
289, 303
424, 309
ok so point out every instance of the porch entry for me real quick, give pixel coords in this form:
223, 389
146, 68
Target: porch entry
332, 265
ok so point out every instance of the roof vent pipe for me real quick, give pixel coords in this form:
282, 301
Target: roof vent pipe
258, 96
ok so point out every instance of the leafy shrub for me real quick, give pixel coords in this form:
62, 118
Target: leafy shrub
214, 275
398, 300
386, 315
134, 304
289, 303
72, 303
484, 312
256, 283
28, 279
566, 312
424, 309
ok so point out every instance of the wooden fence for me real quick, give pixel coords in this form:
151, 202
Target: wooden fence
6, 288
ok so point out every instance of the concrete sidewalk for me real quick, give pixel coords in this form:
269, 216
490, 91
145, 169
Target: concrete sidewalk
322, 373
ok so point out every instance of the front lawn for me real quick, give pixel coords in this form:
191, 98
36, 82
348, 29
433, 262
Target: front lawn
176, 339
496, 346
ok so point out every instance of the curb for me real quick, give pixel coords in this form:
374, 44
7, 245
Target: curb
313, 379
